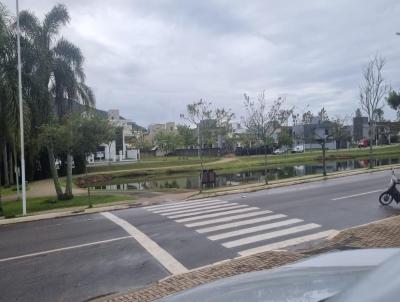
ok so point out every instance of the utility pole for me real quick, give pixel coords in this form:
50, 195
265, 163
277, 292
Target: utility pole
21, 115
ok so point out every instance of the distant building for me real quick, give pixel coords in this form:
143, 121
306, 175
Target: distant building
309, 135
169, 126
118, 149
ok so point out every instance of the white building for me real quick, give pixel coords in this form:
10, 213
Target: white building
118, 149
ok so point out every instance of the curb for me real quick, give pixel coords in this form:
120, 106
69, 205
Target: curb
76, 212
259, 187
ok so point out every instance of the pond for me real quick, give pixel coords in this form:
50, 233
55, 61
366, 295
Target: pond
243, 177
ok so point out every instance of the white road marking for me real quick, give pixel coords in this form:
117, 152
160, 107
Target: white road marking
229, 218
189, 207
226, 207
217, 214
355, 195
179, 203
270, 235
286, 243
198, 209
165, 259
254, 229
239, 223
63, 249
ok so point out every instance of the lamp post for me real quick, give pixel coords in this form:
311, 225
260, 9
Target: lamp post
21, 115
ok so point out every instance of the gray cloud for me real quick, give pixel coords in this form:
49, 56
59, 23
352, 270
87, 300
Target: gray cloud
149, 58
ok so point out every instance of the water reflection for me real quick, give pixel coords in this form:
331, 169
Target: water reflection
193, 182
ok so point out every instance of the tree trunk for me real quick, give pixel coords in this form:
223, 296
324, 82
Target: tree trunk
54, 173
14, 152
265, 165
11, 167
5, 166
323, 159
88, 188
371, 134
68, 188
1, 201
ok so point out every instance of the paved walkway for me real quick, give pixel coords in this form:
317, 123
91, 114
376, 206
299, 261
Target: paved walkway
384, 233
41, 188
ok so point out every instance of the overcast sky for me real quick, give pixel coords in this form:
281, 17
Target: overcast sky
149, 58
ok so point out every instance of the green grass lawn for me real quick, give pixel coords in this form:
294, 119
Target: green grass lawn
156, 162
14, 208
12, 190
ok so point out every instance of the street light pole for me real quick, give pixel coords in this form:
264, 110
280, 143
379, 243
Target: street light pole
21, 115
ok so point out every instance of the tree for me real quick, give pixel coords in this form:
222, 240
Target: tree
372, 93
224, 128
55, 72
307, 117
393, 101
187, 136
196, 114
358, 112
140, 142
262, 120
8, 98
51, 136
285, 139
339, 131
379, 113
91, 131
167, 141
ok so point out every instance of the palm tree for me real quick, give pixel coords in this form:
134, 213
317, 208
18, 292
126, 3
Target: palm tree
56, 64
68, 83
8, 99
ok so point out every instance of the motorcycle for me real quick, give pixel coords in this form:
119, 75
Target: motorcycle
387, 197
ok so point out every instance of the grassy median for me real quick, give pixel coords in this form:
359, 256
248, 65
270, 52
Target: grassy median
38, 204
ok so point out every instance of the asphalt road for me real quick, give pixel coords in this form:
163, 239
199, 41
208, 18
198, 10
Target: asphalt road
82, 257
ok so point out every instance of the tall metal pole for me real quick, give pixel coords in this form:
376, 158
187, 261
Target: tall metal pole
21, 115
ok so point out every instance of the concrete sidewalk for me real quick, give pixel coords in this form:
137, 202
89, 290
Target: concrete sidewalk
379, 234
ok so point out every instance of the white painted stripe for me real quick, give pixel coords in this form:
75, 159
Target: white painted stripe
200, 209
165, 259
254, 229
217, 214
270, 235
206, 204
229, 218
289, 242
239, 223
226, 207
178, 204
63, 249
355, 195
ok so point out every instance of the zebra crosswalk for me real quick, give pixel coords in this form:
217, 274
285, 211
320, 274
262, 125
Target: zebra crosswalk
246, 229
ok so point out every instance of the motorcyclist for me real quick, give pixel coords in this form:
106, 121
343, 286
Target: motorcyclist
394, 180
